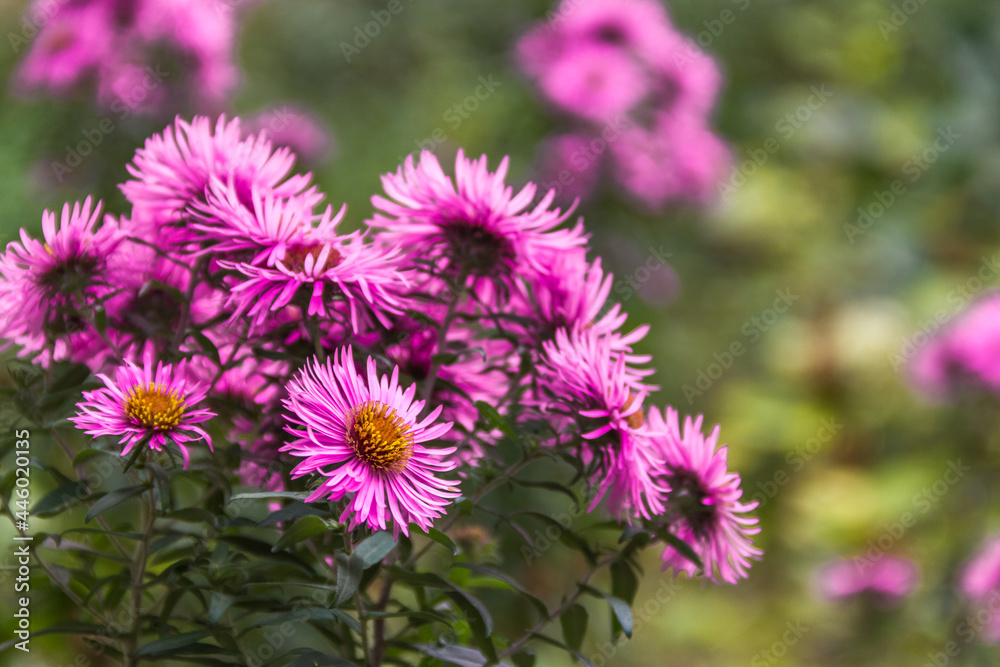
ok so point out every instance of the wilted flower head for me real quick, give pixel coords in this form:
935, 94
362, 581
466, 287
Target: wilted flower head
145, 405
364, 435
704, 498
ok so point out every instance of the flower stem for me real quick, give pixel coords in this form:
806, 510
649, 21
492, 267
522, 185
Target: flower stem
138, 577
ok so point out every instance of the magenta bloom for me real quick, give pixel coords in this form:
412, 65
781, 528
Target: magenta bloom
476, 227
679, 157
888, 579
587, 376
572, 294
140, 404
46, 284
298, 130
174, 169
967, 351
568, 166
595, 81
300, 260
121, 45
981, 575
73, 42
364, 435
705, 500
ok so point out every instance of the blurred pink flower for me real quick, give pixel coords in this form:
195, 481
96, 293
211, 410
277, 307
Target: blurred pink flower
295, 129
967, 349
888, 578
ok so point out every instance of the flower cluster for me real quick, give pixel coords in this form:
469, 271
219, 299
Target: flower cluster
229, 298
133, 50
634, 89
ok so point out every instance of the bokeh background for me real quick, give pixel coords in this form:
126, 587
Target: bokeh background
825, 305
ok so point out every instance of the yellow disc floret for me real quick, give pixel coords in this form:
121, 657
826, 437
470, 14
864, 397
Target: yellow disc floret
154, 407
380, 437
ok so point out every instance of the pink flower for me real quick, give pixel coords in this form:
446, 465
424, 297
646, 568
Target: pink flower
174, 169
141, 405
889, 579
298, 130
595, 81
704, 500
364, 435
297, 250
475, 227
981, 575
586, 378
569, 166
968, 349
47, 286
677, 158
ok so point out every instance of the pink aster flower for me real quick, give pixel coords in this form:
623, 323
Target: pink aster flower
966, 351
364, 435
174, 169
705, 499
677, 158
47, 285
475, 227
572, 294
595, 81
143, 405
887, 579
72, 43
298, 130
981, 575
299, 251
585, 375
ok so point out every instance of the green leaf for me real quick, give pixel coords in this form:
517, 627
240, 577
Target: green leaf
558, 644
293, 510
171, 644
620, 608
317, 659
523, 659
443, 540
500, 576
349, 571
268, 494
624, 582
460, 656
375, 548
304, 528
574, 625
62, 497
114, 498
496, 420
218, 606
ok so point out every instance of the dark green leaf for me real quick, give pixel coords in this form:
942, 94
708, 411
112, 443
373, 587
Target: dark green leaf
114, 498
220, 603
171, 644
574, 625
375, 548
460, 656
60, 498
523, 659
317, 659
443, 540
558, 644
349, 571
619, 607
269, 494
682, 547
304, 528
510, 581
496, 420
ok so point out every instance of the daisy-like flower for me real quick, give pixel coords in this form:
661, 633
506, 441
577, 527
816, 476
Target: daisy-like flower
143, 404
705, 499
46, 284
301, 260
571, 295
174, 169
475, 227
364, 436
586, 375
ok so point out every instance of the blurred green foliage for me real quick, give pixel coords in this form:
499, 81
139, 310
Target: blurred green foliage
792, 225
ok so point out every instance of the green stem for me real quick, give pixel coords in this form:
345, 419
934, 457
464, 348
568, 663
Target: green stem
359, 603
139, 576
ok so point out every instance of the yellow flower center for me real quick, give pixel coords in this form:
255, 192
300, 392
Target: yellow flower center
380, 437
295, 258
637, 418
154, 407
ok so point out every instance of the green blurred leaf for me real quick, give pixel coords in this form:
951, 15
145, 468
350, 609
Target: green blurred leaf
619, 607
574, 625
114, 498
